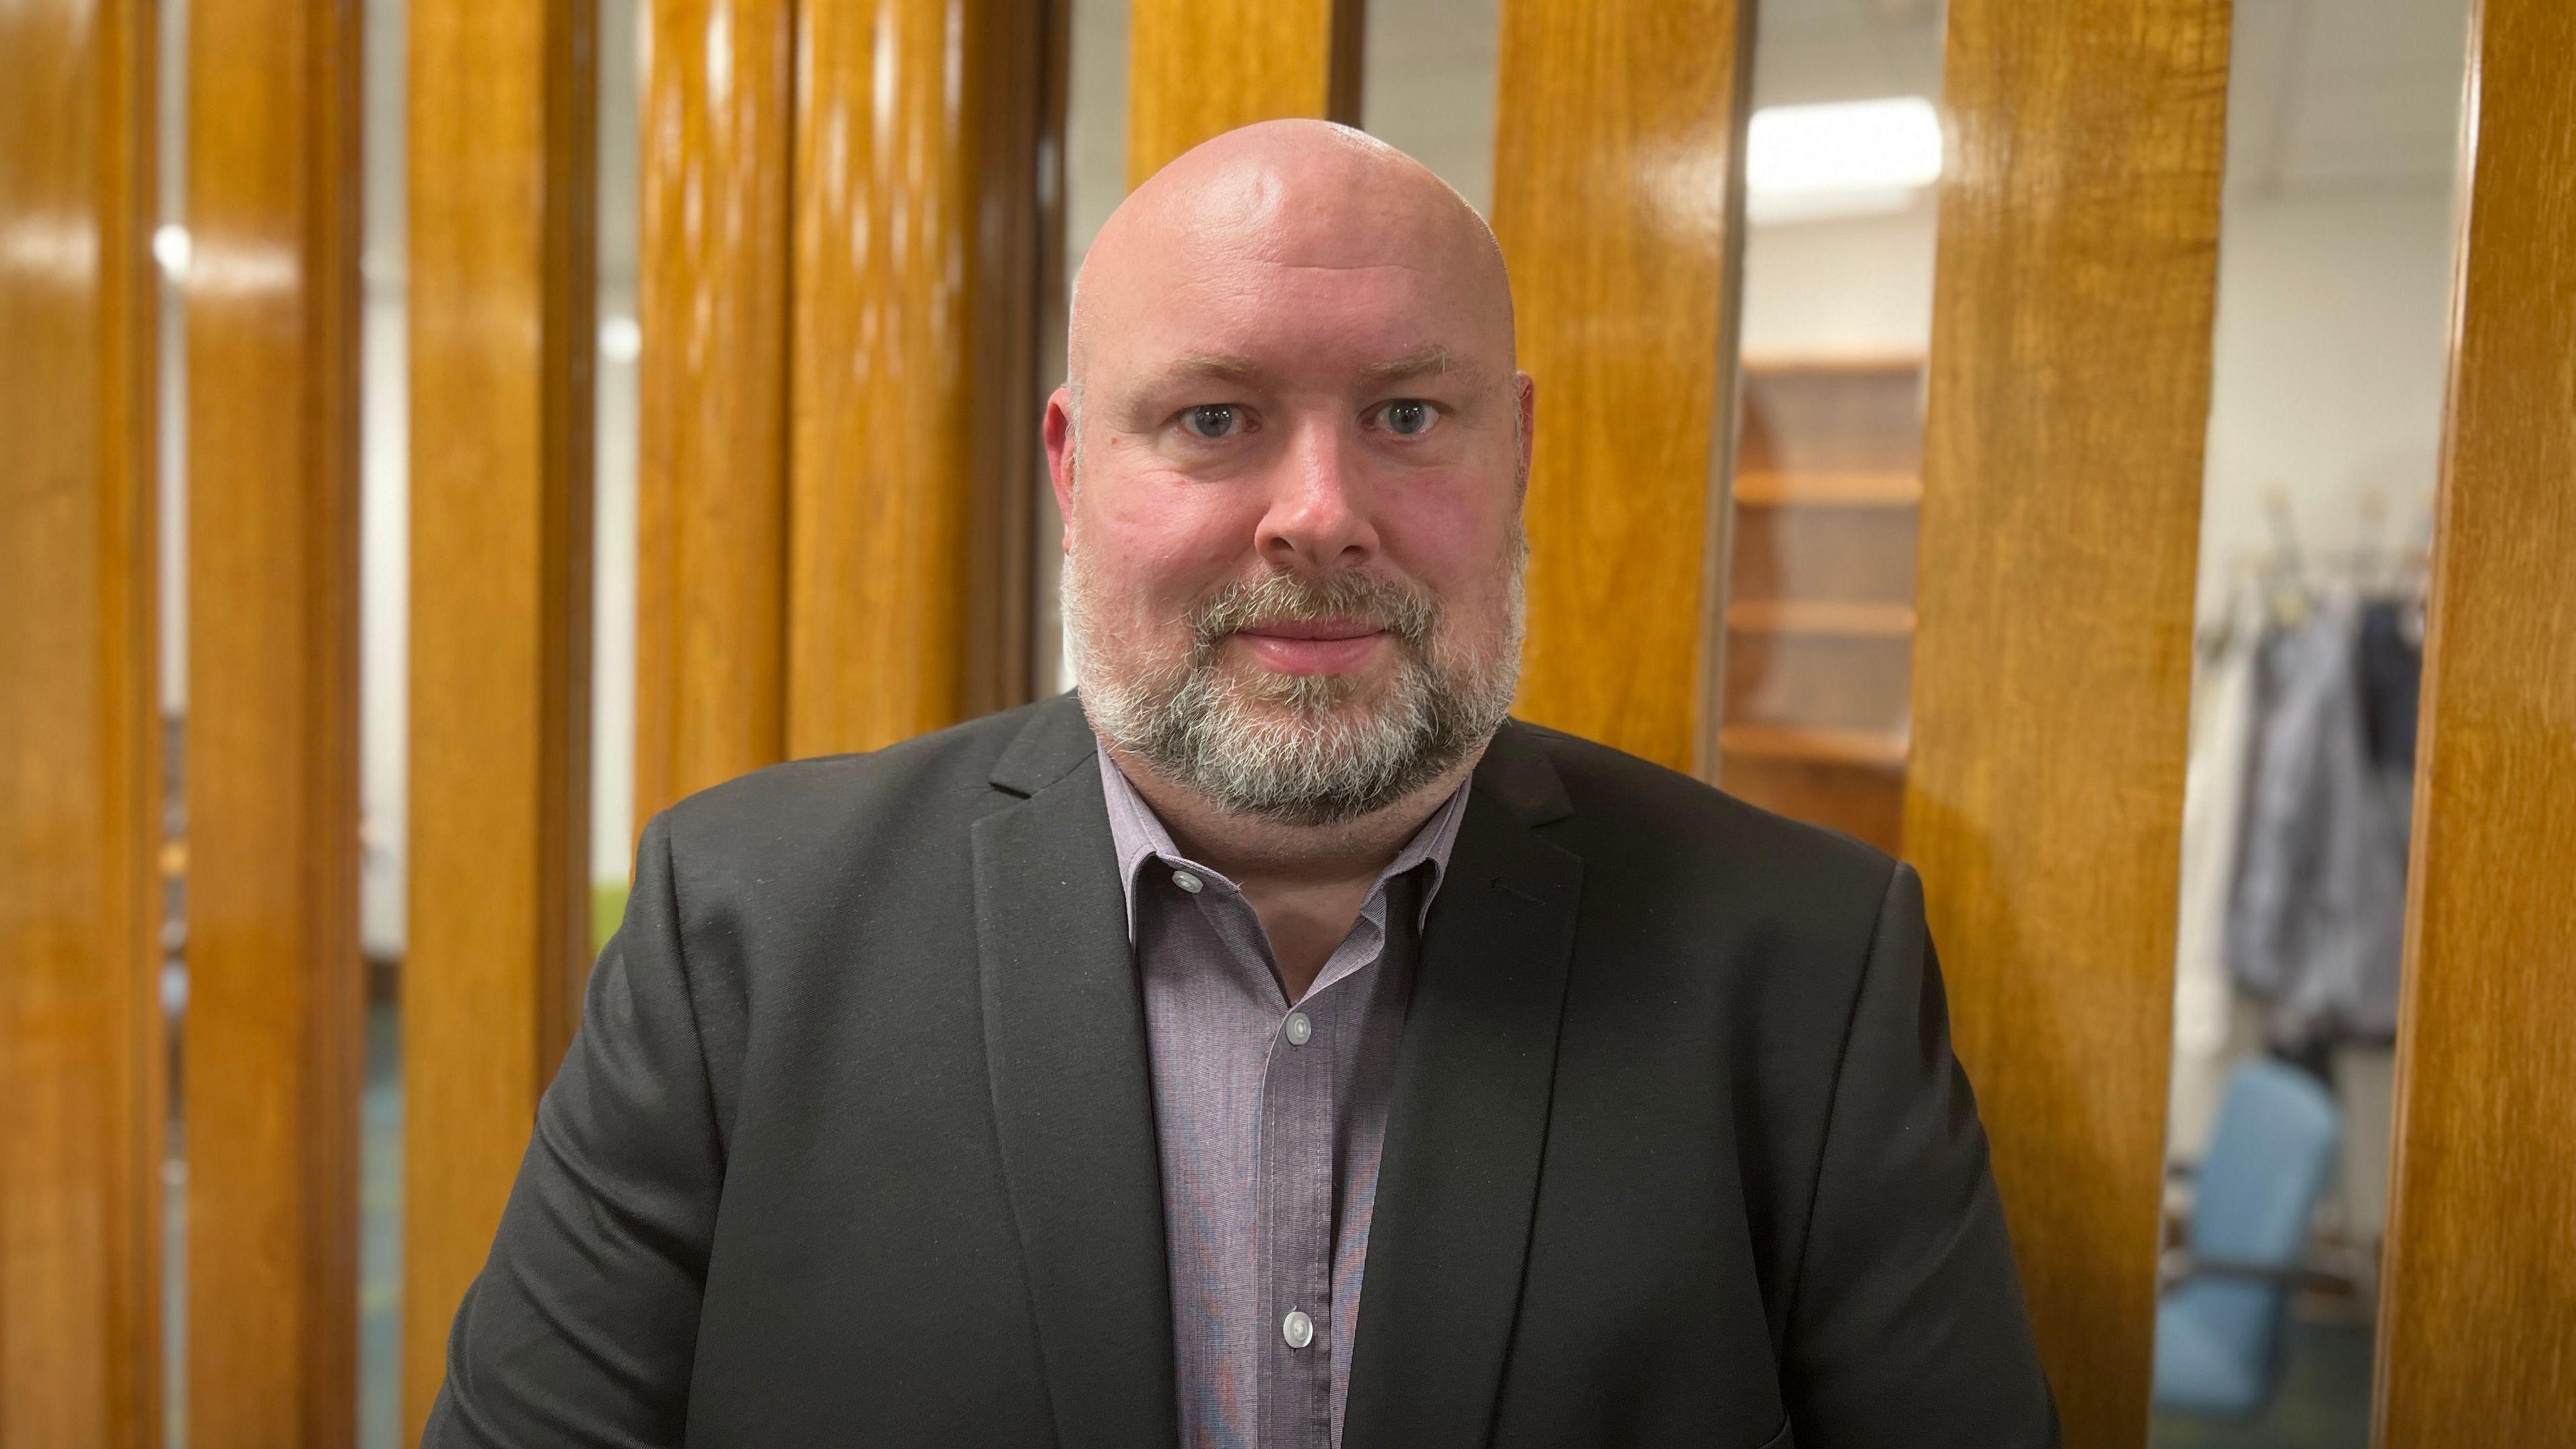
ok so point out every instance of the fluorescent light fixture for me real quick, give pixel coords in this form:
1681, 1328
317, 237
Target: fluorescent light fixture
1846, 158
170, 248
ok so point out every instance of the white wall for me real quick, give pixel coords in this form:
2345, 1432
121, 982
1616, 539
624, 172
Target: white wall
2330, 358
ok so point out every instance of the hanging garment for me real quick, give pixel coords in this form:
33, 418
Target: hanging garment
2316, 918
2392, 681
2222, 714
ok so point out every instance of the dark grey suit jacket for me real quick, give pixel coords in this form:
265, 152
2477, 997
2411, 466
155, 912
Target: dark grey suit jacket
855, 1146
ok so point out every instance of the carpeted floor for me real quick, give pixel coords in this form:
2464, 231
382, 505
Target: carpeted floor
2324, 1401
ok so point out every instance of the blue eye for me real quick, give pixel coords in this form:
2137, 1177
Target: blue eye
1408, 417
1213, 420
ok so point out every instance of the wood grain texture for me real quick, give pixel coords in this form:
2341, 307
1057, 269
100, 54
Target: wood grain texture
80, 741
2068, 410
1618, 202
1198, 68
274, 1035
711, 625
2478, 1313
503, 109
913, 386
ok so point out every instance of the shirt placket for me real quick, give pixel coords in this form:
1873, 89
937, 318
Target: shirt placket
1296, 1188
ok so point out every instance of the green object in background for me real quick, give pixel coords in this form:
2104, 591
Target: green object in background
607, 908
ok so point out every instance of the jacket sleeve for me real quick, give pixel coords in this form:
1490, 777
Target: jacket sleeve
582, 1326
1906, 1325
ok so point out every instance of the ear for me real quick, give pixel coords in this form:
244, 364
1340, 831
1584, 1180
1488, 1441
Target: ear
1059, 448
1527, 388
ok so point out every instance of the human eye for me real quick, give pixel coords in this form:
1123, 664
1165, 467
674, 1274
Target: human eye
1215, 422
1407, 417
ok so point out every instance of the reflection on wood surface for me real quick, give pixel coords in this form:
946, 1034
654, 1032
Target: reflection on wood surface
2068, 415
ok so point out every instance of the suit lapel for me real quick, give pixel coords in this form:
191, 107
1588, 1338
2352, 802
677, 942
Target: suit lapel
1468, 1122
1064, 1040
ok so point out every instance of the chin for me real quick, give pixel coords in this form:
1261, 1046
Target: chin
1313, 696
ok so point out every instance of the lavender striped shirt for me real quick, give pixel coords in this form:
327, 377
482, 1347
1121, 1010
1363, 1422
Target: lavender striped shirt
1271, 1116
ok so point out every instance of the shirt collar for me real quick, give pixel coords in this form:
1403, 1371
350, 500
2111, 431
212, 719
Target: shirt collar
1138, 835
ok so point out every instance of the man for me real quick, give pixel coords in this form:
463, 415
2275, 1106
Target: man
1272, 1046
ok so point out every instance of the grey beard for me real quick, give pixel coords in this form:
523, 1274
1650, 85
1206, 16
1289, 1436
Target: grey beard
1279, 746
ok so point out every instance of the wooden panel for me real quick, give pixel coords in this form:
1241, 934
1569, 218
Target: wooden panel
1862, 552
1197, 68
503, 111
2478, 1313
274, 1026
711, 576
80, 738
1861, 793
1837, 681
1617, 199
914, 380
2068, 411
1858, 417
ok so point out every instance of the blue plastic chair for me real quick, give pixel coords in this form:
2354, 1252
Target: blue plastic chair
2219, 1331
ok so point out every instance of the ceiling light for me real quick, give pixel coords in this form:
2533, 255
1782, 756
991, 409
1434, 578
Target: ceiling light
170, 248
1846, 158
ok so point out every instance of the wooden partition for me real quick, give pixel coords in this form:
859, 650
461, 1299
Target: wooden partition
2478, 1314
274, 1036
1198, 68
2068, 412
1618, 200
914, 385
711, 631
80, 739
503, 110
841, 272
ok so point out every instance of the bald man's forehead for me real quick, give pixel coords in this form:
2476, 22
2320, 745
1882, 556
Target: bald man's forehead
1296, 312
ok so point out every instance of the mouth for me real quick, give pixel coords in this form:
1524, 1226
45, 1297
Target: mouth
1313, 646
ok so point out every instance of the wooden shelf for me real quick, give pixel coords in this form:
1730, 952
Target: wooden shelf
1877, 749
1844, 364
1828, 490
1820, 616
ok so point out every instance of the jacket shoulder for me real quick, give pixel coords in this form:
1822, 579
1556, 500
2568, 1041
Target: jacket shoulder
795, 806
1625, 806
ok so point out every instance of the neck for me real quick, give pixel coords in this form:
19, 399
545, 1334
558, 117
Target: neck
1250, 849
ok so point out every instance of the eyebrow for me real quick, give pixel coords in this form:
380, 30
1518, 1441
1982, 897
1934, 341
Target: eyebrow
1421, 362
1221, 366
1428, 361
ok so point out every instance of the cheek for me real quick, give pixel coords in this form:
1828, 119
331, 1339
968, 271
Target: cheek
1450, 534
1163, 541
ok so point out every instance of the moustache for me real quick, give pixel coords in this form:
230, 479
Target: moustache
1408, 614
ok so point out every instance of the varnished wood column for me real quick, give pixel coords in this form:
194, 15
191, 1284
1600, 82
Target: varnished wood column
503, 178
1197, 68
2478, 1316
274, 1039
2069, 405
1618, 198
914, 386
711, 577
80, 738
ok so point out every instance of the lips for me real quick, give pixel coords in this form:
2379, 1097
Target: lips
1313, 646
1316, 629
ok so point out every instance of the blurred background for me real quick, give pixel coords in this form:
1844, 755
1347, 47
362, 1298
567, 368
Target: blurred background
436, 436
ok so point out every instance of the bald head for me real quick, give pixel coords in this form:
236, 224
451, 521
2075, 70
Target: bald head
1271, 200
1293, 559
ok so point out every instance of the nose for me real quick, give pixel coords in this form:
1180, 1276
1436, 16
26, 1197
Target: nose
1318, 519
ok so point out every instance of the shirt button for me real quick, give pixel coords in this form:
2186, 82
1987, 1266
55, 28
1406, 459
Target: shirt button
1188, 882
1300, 1030
1297, 1328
